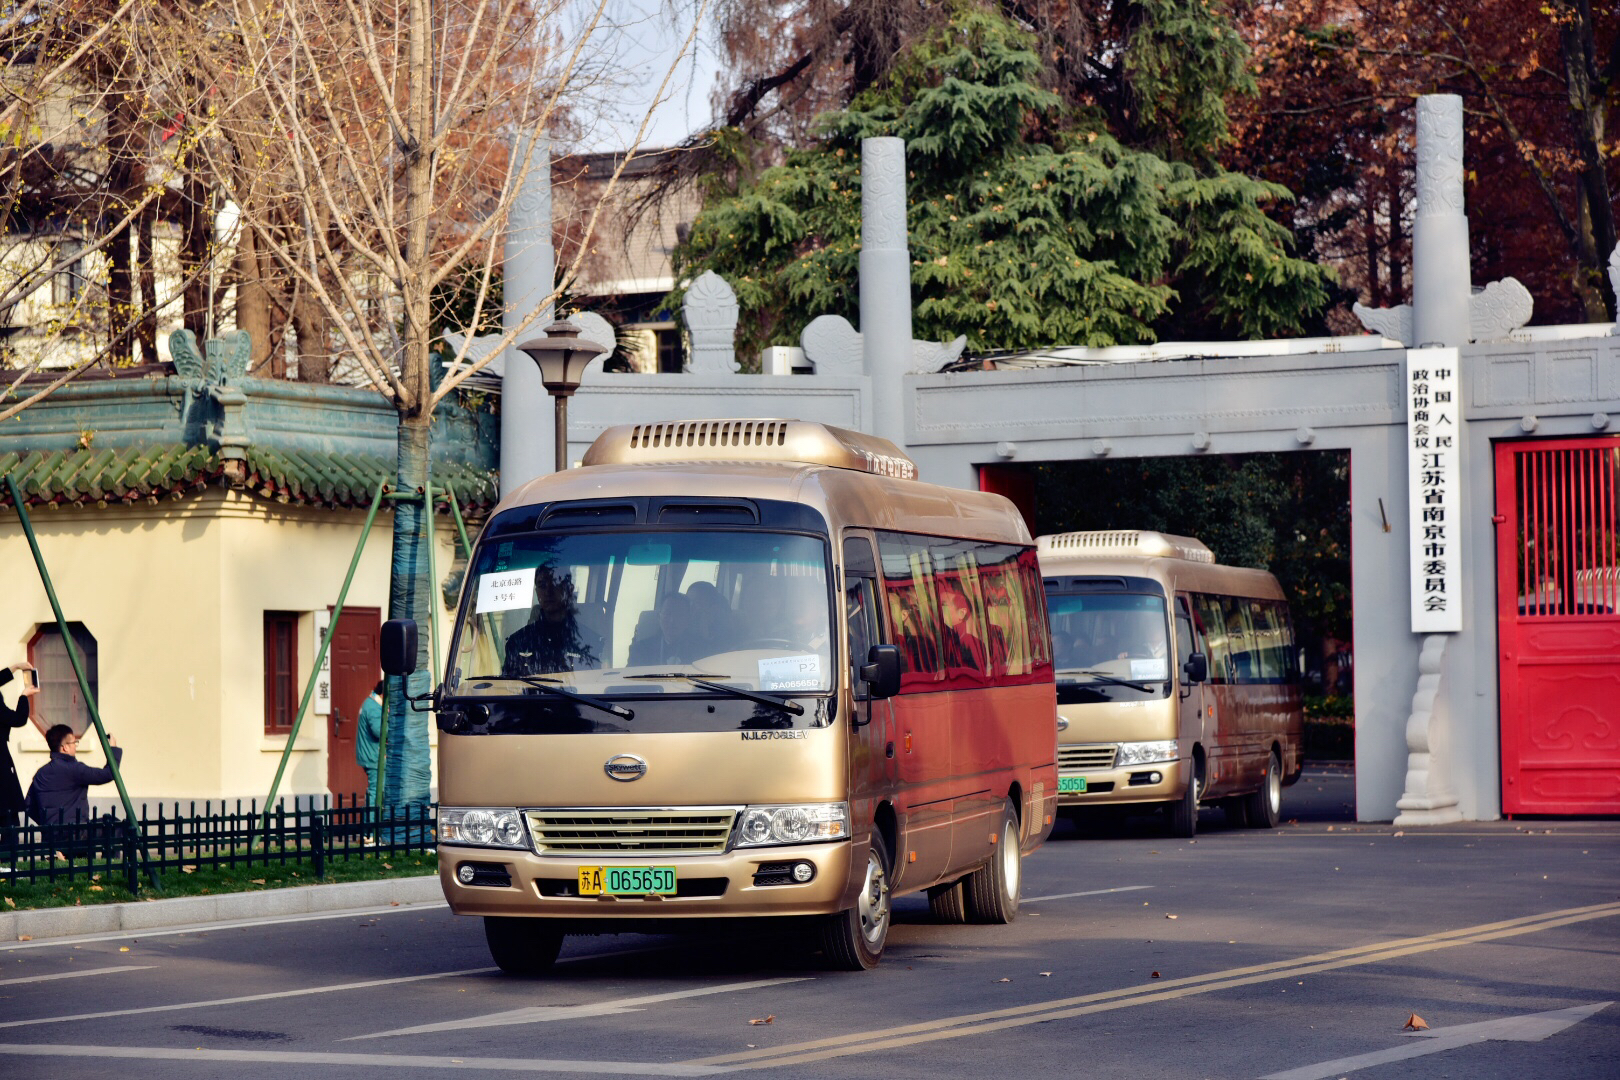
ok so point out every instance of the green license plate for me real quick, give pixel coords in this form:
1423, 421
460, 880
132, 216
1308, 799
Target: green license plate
627, 881
1071, 784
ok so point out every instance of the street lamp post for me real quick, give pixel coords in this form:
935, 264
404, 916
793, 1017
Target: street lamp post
562, 356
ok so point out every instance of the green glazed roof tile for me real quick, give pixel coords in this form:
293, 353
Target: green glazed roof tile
107, 477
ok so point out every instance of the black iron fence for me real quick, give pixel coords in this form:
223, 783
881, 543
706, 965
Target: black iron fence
184, 839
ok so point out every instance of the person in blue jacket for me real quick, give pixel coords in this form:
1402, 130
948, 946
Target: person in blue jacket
367, 734
60, 793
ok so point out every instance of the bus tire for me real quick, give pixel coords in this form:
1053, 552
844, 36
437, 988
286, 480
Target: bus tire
1264, 807
852, 940
522, 946
1184, 811
947, 904
994, 890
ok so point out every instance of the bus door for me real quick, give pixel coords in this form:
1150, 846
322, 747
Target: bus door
1193, 709
873, 770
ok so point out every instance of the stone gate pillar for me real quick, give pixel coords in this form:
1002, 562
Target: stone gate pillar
1441, 283
530, 269
885, 283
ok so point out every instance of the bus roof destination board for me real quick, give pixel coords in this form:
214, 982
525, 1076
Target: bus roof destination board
1434, 489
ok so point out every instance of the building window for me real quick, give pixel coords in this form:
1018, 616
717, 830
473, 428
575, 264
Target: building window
60, 701
280, 670
68, 282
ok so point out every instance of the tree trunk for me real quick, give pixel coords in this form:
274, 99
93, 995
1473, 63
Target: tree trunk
314, 342
146, 276
120, 249
196, 230
1595, 234
253, 310
410, 594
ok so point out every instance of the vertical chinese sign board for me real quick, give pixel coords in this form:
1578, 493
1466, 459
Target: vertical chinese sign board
1434, 489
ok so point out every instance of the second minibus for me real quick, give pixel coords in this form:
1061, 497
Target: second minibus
1178, 682
741, 668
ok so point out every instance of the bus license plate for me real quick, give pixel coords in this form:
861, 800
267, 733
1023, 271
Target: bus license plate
627, 881
1071, 784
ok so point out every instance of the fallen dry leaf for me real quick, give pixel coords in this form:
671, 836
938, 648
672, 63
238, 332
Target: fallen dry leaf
1046, 974
388, 866
1172, 916
25, 937
1155, 975
1415, 1023
10, 902
258, 881
188, 869
393, 903
95, 888
1399, 832
123, 948
765, 1020
1003, 980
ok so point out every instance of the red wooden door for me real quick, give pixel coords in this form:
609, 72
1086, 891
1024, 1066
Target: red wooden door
355, 671
1558, 624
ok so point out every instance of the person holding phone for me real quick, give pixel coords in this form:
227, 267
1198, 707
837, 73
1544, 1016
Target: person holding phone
11, 793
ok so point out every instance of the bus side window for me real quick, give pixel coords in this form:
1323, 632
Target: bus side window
1213, 626
908, 591
1267, 617
1184, 636
1240, 640
860, 607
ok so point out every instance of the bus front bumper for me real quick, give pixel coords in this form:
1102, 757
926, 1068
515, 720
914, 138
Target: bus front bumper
753, 881
1132, 784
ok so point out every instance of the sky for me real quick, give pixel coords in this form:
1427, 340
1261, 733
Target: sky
633, 47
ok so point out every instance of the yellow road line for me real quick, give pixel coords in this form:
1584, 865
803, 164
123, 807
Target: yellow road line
1063, 1008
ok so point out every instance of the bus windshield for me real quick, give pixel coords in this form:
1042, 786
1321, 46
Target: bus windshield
1111, 642
635, 613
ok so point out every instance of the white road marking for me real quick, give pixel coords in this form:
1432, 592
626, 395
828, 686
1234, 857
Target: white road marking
1093, 892
214, 1002
205, 927
543, 1013
76, 974
352, 1061
1531, 1027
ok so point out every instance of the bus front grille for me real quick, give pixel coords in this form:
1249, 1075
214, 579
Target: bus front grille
1081, 758
693, 831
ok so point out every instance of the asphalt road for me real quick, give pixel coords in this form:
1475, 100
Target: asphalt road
1294, 953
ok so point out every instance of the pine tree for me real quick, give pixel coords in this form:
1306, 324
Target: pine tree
1031, 222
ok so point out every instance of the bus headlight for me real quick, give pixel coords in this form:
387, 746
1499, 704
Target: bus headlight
796, 824
495, 826
1140, 753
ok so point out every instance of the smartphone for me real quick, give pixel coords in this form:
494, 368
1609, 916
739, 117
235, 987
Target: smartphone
33, 677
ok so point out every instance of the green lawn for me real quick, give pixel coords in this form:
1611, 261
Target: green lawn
107, 887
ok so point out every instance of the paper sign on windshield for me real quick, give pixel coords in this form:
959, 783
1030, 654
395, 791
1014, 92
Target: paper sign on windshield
790, 673
505, 590
1152, 668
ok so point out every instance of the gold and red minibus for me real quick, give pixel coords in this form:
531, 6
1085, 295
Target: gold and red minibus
741, 669
1178, 679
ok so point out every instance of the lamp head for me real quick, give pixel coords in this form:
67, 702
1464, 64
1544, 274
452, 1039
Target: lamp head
562, 356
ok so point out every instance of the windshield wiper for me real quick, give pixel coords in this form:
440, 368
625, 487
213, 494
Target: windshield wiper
1103, 676
702, 679
540, 682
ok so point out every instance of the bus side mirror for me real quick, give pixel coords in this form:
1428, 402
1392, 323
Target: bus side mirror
398, 647
881, 672
1196, 668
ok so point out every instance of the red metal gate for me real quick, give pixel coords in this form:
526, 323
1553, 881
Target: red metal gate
1558, 624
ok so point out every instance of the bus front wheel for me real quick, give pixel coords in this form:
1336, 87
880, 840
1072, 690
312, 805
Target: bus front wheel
993, 890
522, 946
1184, 811
852, 940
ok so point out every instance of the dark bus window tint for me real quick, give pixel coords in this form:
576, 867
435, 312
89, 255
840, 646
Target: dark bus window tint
908, 594
1207, 611
1184, 637
860, 614
1034, 605
1240, 644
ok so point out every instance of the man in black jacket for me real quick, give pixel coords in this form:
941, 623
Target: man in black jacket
60, 791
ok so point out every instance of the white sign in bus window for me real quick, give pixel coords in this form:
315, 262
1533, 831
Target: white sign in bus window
506, 590
790, 673
1434, 489
1151, 668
